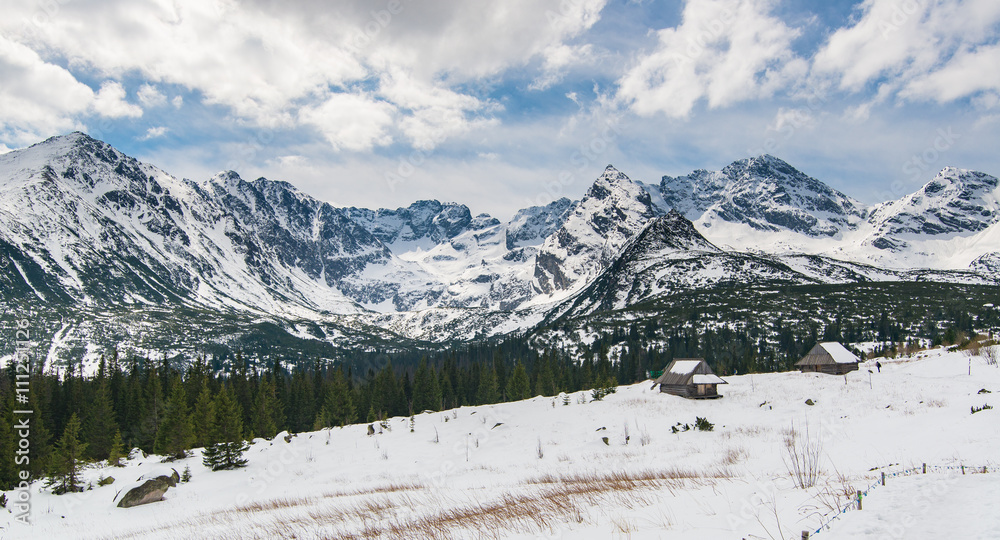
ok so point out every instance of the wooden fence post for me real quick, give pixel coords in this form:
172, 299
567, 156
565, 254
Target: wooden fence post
883, 478
963, 470
805, 535
859, 500
925, 468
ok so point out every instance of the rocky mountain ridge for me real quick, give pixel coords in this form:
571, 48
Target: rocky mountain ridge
82, 224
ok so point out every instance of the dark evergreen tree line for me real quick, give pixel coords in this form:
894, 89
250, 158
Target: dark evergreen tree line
168, 407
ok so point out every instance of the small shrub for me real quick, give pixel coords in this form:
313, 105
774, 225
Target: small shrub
3, 500
186, 475
702, 424
992, 355
644, 438
983, 391
803, 457
985, 407
105, 480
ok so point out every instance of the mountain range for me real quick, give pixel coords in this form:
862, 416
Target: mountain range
86, 229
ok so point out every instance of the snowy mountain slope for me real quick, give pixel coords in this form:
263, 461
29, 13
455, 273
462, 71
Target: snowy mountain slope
82, 224
669, 255
422, 225
611, 212
948, 223
538, 468
119, 231
531, 226
764, 193
764, 205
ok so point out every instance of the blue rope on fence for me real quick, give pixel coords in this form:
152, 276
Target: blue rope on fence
905, 472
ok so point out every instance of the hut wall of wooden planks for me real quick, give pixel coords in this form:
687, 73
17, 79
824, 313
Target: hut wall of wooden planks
830, 357
690, 378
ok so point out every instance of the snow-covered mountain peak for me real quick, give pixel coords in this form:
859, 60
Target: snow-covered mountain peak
952, 182
612, 174
762, 166
764, 194
227, 182
675, 231
593, 234
530, 226
958, 206
421, 225
614, 187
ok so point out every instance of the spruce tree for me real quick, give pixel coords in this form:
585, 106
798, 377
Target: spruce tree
152, 408
64, 466
117, 452
175, 434
203, 417
488, 391
448, 397
518, 387
339, 403
267, 413
8, 443
544, 380
100, 426
227, 453
426, 391
41, 447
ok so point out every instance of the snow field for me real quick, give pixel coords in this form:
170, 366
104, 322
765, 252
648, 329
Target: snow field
540, 469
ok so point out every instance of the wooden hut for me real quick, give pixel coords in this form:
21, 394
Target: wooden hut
690, 378
832, 358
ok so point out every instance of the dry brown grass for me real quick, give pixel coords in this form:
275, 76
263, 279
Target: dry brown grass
561, 500
392, 487
387, 511
735, 455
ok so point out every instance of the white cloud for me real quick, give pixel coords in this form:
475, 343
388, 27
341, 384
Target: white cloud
150, 96
558, 58
968, 72
110, 102
37, 99
793, 119
724, 51
177, 102
274, 65
154, 132
935, 49
351, 122
858, 113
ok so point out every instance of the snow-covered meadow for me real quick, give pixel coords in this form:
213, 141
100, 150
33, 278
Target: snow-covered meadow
541, 468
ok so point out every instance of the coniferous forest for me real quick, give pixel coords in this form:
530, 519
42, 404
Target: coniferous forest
169, 406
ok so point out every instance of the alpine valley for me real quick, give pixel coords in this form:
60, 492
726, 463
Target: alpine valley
99, 250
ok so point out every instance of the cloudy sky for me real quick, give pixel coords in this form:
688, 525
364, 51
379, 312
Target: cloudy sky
501, 105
